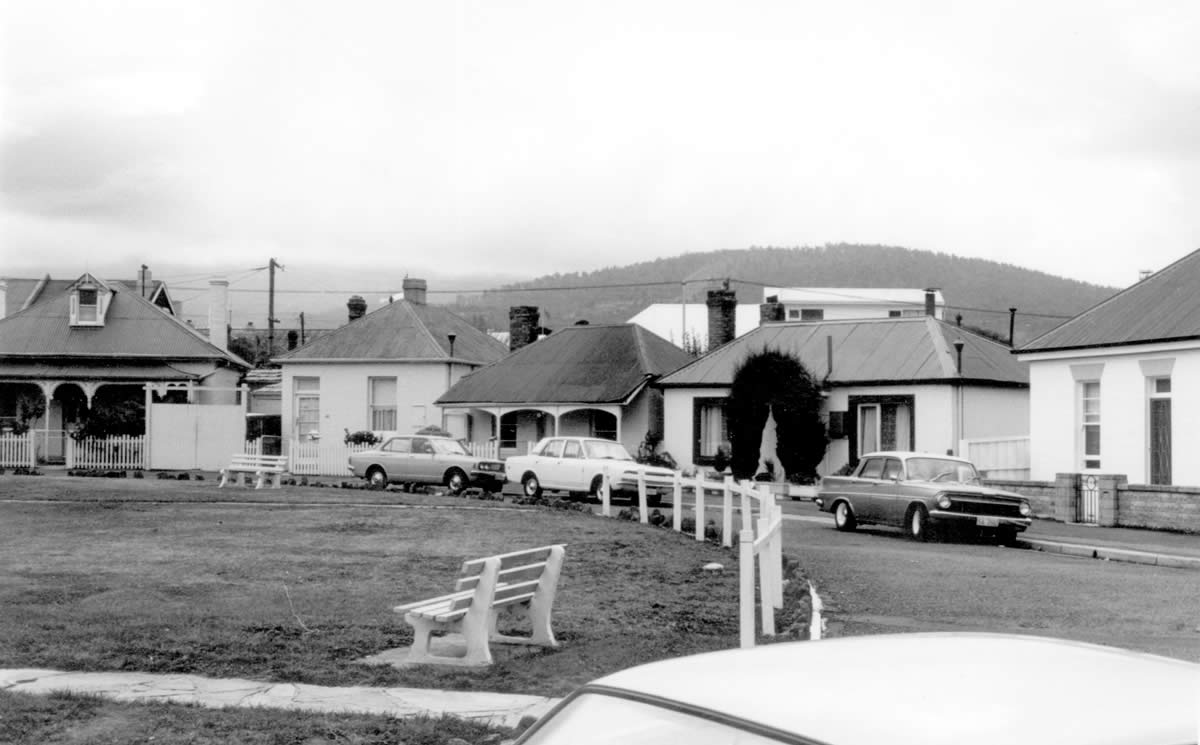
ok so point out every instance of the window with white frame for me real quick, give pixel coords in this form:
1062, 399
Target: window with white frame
306, 393
381, 408
1159, 434
711, 429
1089, 423
87, 305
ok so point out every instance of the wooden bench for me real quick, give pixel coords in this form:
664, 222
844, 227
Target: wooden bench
259, 465
521, 584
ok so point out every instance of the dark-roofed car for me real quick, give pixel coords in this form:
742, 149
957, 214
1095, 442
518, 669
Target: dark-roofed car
578, 464
919, 689
427, 459
921, 492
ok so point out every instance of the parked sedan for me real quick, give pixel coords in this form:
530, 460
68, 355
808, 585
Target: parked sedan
427, 459
923, 689
920, 492
579, 464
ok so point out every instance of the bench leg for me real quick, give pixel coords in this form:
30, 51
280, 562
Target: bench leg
259, 478
539, 607
475, 637
224, 478
275, 480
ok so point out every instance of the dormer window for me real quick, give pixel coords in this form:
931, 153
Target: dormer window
89, 305
89, 301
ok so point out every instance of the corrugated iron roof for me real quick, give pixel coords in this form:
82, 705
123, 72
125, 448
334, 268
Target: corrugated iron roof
1163, 307
402, 330
867, 351
21, 290
578, 364
133, 327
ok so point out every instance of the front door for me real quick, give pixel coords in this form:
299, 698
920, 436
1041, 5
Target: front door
1160, 441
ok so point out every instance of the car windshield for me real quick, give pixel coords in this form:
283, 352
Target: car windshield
448, 447
595, 718
942, 469
603, 449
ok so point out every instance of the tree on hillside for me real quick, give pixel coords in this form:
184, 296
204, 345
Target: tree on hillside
776, 383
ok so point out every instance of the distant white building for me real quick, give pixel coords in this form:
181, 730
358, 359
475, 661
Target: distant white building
681, 323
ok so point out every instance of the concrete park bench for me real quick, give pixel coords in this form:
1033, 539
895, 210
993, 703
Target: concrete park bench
521, 583
261, 466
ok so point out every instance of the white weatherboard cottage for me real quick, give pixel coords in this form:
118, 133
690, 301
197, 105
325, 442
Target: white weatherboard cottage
1113, 390
382, 372
894, 383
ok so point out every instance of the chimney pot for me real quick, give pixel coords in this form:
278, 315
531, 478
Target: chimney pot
356, 307
722, 317
958, 349
523, 324
931, 301
451, 337
414, 291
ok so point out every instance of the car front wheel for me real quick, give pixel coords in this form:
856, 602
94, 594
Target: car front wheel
456, 481
843, 518
376, 478
531, 486
918, 523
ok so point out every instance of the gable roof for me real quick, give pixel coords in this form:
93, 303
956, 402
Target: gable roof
133, 328
578, 364
401, 331
865, 352
1163, 307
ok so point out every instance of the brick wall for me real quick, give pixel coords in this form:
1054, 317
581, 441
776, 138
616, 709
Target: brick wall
1161, 507
1175, 508
1039, 493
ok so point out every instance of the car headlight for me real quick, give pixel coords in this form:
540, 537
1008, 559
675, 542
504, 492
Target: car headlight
1025, 509
486, 466
944, 502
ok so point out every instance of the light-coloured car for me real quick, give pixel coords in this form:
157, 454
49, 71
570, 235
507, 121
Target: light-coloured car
578, 464
921, 492
427, 459
918, 689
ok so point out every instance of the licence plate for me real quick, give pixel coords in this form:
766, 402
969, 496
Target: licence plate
984, 521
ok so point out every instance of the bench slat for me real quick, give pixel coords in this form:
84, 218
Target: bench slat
477, 564
450, 615
430, 601
506, 575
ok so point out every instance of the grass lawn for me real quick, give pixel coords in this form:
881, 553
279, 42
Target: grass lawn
297, 584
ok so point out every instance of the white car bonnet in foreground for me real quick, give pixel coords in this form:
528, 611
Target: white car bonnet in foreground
951, 688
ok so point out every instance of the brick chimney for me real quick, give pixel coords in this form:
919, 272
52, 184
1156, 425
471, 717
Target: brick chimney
218, 313
931, 301
523, 321
770, 311
357, 307
722, 316
414, 291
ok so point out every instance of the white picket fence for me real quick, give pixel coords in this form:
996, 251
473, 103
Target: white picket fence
107, 452
484, 449
998, 457
17, 451
760, 537
321, 458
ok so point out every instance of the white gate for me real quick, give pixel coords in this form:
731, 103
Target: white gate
195, 436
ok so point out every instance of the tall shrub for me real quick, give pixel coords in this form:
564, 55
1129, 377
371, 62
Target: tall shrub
773, 381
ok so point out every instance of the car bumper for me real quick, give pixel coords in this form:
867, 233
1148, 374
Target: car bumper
990, 521
487, 480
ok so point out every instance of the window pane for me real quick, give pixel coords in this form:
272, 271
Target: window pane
1162, 385
712, 428
306, 384
553, 449
1091, 439
1091, 390
383, 391
812, 314
572, 450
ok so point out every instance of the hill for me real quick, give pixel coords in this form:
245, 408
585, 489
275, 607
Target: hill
979, 289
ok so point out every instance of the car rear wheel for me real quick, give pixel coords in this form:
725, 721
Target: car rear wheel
531, 486
843, 517
456, 481
918, 523
376, 478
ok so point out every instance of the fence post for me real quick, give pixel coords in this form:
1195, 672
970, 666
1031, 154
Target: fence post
699, 512
677, 504
32, 449
70, 451
727, 512
605, 496
746, 588
766, 577
642, 507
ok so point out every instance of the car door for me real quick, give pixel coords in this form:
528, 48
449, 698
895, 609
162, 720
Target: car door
571, 466
422, 460
889, 499
395, 457
549, 465
864, 495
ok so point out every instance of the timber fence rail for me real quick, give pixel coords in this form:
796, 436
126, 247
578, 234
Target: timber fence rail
759, 538
18, 451
119, 452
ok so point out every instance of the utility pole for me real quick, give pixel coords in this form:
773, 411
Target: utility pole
301, 328
271, 320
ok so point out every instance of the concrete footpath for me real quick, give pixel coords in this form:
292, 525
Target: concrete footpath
502, 709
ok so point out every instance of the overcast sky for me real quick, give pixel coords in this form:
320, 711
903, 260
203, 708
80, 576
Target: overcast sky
549, 135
